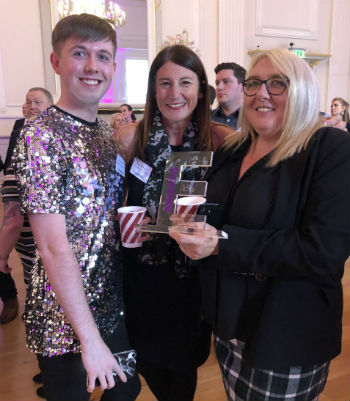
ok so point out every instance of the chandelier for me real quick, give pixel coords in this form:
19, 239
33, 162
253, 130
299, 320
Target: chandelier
101, 8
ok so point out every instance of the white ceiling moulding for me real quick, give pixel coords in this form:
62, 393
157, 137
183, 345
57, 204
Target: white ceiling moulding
289, 19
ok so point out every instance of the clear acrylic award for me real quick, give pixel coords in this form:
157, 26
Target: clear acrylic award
182, 197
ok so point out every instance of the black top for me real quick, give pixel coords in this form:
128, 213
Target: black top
19, 124
219, 116
163, 311
288, 228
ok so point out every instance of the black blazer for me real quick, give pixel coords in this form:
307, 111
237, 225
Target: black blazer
288, 230
19, 124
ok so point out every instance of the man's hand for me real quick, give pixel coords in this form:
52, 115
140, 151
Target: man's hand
100, 364
9, 232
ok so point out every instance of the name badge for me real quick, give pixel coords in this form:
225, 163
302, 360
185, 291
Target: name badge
141, 170
120, 165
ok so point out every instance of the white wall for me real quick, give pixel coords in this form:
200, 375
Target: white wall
21, 58
339, 38
224, 30
309, 25
21, 51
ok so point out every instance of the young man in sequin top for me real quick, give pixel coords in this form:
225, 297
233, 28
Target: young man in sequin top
70, 188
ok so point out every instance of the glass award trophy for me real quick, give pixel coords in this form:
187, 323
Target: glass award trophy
174, 188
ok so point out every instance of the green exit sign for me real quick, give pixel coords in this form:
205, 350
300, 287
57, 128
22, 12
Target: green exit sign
299, 52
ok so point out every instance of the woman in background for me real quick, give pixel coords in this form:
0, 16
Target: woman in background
273, 292
340, 109
127, 113
162, 290
117, 121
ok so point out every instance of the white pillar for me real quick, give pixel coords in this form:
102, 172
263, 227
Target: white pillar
231, 31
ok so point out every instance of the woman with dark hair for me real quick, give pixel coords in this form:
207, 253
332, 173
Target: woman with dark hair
162, 292
127, 113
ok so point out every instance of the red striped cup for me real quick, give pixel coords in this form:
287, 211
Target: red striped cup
129, 216
187, 206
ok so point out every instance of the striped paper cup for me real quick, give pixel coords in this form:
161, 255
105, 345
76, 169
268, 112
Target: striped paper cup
186, 207
129, 216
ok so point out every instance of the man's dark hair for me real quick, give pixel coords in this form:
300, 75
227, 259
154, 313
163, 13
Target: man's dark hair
238, 71
86, 27
44, 91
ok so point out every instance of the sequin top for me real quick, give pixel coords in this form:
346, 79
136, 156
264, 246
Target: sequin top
67, 166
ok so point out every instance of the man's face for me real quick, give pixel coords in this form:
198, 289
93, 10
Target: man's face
36, 102
86, 70
229, 92
25, 111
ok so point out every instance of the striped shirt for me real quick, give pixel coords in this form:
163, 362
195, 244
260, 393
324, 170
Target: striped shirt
25, 245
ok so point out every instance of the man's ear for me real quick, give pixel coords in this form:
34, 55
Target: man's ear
55, 62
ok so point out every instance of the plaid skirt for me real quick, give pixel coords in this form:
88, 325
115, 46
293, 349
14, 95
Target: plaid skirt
244, 383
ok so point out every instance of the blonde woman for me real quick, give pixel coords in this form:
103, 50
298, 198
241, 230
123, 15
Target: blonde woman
117, 121
273, 291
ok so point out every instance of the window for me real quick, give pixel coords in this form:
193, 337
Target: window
130, 79
136, 80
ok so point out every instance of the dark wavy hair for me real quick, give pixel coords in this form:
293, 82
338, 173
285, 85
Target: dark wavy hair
185, 57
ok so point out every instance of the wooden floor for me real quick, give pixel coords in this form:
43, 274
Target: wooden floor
18, 365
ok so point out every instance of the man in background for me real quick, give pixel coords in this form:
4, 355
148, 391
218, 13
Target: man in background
15, 230
229, 93
37, 100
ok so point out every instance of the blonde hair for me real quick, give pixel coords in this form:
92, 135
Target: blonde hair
301, 119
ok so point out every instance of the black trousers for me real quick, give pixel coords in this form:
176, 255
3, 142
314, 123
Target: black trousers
7, 286
64, 376
166, 384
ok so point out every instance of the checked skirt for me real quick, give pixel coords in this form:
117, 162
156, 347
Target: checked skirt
244, 383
